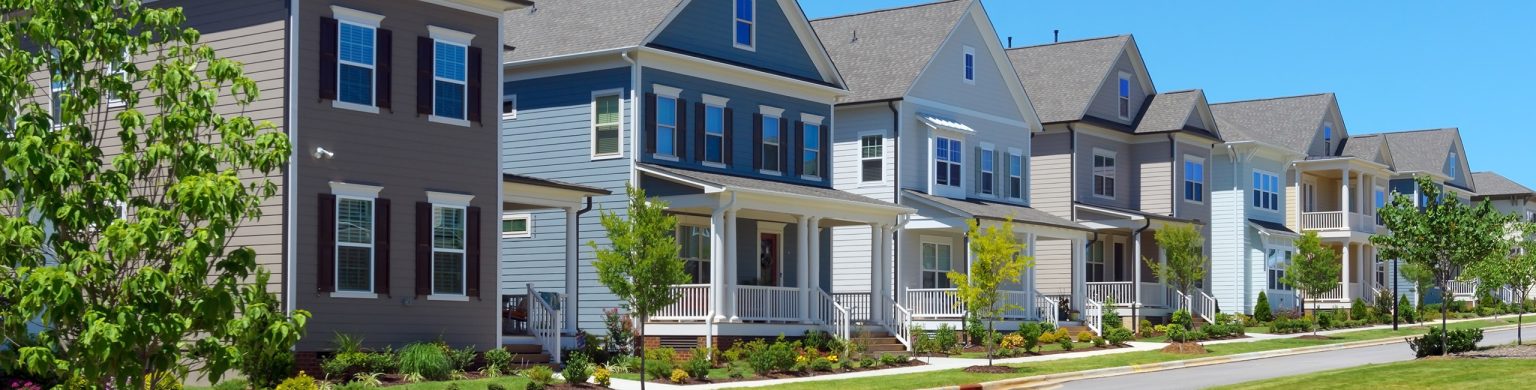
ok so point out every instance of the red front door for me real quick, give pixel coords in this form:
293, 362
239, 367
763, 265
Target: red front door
768, 259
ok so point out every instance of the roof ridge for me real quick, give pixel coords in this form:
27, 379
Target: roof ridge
1273, 98
879, 10
1070, 41
1416, 131
1180, 91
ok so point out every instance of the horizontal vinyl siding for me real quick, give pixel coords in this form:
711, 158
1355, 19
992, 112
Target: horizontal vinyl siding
1053, 266
1051, 173
705, 28
850, 245
1154, 177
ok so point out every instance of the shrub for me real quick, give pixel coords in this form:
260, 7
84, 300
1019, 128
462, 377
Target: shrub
1119, 336
1098, 342
679, 375
698, 364
975, 330
602, 377
766, 358
1012, 341
1145, 328
1031, 331
1457, 341
1290, 325
497, 359
1065, 343
1047, 338
1325, 320
1111, 316
822, 363
300, 382
621, 333
1176, 333
424, 359
1405, 311
1357, 310
578, 369
946, 338
869, 362
1261, 310
1085, 336
539, 377
659, 362
460, 359
1182, 318
922, 342
819, 340
891, 359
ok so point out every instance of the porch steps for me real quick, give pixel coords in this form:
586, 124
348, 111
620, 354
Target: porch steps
1072, 327
883, 343
527, 354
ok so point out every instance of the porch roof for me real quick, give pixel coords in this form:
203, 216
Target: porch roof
994, 210
1273, 228
714, 182
530, 180
1133, 214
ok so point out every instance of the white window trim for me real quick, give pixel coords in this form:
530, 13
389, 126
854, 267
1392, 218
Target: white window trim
934, 159
970, 56
821, 149
716, 101
1126, 77
862, 159
528, 233
676, 132
666, 91
592, 147
356, 16
1197, 160
1023, 166
753, 30
988, 168
1455, 166
812, 119
506, 116
1113, 173
463, 260
361, 19
1279, 192
778, 116
936, 241
1385, 199
449, 198
358, 192
712, 101
450, 35
442, 35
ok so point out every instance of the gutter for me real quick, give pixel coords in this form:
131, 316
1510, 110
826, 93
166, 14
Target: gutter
895, 192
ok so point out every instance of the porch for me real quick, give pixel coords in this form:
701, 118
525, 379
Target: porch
543, 314
1116, 275
1340, 197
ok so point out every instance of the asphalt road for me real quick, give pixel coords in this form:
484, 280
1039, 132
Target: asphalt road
1239, 372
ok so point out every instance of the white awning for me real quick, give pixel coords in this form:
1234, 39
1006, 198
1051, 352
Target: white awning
939, 122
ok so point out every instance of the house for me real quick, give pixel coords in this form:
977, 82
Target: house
721, 109
1439, 155
1290, 166
1510, 198
938, 121
1121, 158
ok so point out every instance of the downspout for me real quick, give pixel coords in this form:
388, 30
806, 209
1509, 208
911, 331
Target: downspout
1174, 166
634, 116
896, 195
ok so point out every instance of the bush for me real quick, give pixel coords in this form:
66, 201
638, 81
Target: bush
1145, 328
424, 359
823, 363
679, 375
461, 359
1047, 338
621, 332
1119, 336
1086, 336
891, 359
1325, 320
539, 377
975, 330
821, 341
1065, 343
1405, 311
659, 362
1012, 341
602, 377
498, 359
698, 364
946, 338
1457, 341
1111, 316
922, 342
578, 369
1261, 310
1031, 331
1357, 310
1177, 333
1290, 325
767, 358
300, 382
1182, 318
1098, 342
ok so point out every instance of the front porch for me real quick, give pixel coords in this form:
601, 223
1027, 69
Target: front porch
1116, 275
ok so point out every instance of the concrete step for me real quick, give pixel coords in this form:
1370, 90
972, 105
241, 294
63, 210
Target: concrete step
530, 358
524, 348
898, 347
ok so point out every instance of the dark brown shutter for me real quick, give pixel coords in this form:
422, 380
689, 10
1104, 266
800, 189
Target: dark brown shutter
381, 247
475, 78
423, 248
680, 135
325, 262
650, 123
757, 141
729, 142
327, 58
472, 252
698, 133
423, 76
976, 168
384, 66
826, 153
799, 148
783, 146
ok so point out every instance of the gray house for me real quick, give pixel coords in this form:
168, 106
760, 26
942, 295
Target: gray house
1439, 155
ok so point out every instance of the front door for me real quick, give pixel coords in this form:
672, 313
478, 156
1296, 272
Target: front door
1120, 262
768, 259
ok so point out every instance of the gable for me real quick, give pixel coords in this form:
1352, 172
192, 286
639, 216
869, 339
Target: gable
1463, 175
1195, 120
705, 28
1106, 101
1329, 134
995, 90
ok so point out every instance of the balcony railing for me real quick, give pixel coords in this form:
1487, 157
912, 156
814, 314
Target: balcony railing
1123, 293
692, 304
765, 303
1339, 220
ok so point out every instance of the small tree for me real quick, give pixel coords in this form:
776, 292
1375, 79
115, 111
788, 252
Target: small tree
997, 261
641, 263
1514, 267
1315, 270
1185, 265
1422, 278
1261, 311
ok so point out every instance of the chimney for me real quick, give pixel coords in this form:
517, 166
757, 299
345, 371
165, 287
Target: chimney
1057, 34
1010, 42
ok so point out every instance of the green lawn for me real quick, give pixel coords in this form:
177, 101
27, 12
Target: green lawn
1416, 374
957, 376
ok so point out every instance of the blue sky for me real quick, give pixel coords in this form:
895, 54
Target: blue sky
1402, 65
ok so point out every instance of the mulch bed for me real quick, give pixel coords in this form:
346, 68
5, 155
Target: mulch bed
1185, 348
1504, 352
978, 349
783, 375
991, 370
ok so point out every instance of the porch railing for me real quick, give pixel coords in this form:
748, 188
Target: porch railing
1023, 303
1155, 294
544, 323
1123, 292
693, 303
1203, 305
1337, 294
833, 315
1324, 220
1093, 316
857, 304
901, 323
1460, 287
934, 303
1048, 308
767, 303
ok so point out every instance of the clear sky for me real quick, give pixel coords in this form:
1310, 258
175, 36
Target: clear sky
1401, 65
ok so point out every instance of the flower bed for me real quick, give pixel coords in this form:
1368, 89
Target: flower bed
816, 354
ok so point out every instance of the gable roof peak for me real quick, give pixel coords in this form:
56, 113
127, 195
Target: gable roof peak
889, 9
1072, 41
882, 53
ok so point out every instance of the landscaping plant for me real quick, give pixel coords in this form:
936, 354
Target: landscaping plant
1513, 267
1261, 310
497, 361
1184, 260
578, 369
427, 360
1440, 342
1314, 270
640, 264
539, 377
996, 261
1119, 336
945, 339
698, 364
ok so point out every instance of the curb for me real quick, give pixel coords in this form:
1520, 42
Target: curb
1039, 381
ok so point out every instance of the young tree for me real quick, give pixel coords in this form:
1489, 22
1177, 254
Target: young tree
1441, 235
124, 260
641, 263
1315, 270
1185, 265
997, 261
1422, 278
1514, 267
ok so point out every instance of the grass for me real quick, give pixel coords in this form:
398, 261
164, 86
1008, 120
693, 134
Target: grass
1416, 374
958, 376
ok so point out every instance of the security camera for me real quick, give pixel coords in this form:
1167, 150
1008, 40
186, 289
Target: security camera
321, 153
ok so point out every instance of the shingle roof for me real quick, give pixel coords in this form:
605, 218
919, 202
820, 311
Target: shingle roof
525, 179
1363, 146
1168, 111
881, 53
1275, 226
1063, 77
765, 185
1288, 122
1422, 150
998, 211
1494, 184
560, 27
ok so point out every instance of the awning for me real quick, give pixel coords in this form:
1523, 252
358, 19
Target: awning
1272, 228
942, 123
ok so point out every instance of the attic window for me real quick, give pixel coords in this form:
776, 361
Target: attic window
1125, 96
1455, 164
970, 65
745, 25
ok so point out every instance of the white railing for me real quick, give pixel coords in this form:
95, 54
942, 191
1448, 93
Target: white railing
1204, 305
1324, 220
1093, 316
1364, 223
1048, 308
544, 323
1460, 287
833, 315
693, 303
1155, 294
901, 324
767, 303
1337, 294
1022, 303
1178, 301
934, 302
857, 304
1123, 292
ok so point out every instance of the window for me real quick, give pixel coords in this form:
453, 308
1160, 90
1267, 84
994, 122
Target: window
1453, 166
354, 244
355, 65
119, 72
988, 171
694, 242
1278, 260
1096, 262
1015, 175
1266, 191
970, 65
936, 265
509, 107
746, 24
1327, 132
56, 91
946, 161
516, 226
1125, 96
1381, 202
448, 244
714, 134
1194, 179
810, 164
1308, 196
771, 144
449, 74
666, 126
605, 125
872, 158
1103, 173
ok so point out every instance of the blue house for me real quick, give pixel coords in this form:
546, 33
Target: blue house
722, 109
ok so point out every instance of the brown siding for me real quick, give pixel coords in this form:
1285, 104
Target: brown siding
408, 156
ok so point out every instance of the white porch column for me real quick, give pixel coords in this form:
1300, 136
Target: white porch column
1344, 198
887, 262
717, 261
813, 278
1347, 266
572, 269
876, 273
728, 272
1136, 269
802, 261
1029, 276
1079, 273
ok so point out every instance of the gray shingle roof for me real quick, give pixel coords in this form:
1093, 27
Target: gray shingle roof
1494, 184
1366, 147
1422, 150
1275, 226
559, 27
1168, 111
525, 179
998, 211
766, 185
1063, 77
891, 48
1288, 122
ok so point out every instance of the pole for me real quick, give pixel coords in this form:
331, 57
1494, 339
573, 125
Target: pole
1395, 299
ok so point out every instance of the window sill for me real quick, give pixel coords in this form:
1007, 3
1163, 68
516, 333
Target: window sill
599, 157
745, 47
448, 298
517, 235
809, 177
448, 121
354, 107
354, 295
508, 117
713, 164
665, 157
1104, 197
770, 172
1191, 201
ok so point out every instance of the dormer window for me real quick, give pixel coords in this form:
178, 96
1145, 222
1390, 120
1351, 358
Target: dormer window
1328, 139
746, 24
1125, 96
970, 65
1454, 166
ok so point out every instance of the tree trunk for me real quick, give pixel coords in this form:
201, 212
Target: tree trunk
640, 349
1445, 308
988, 340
